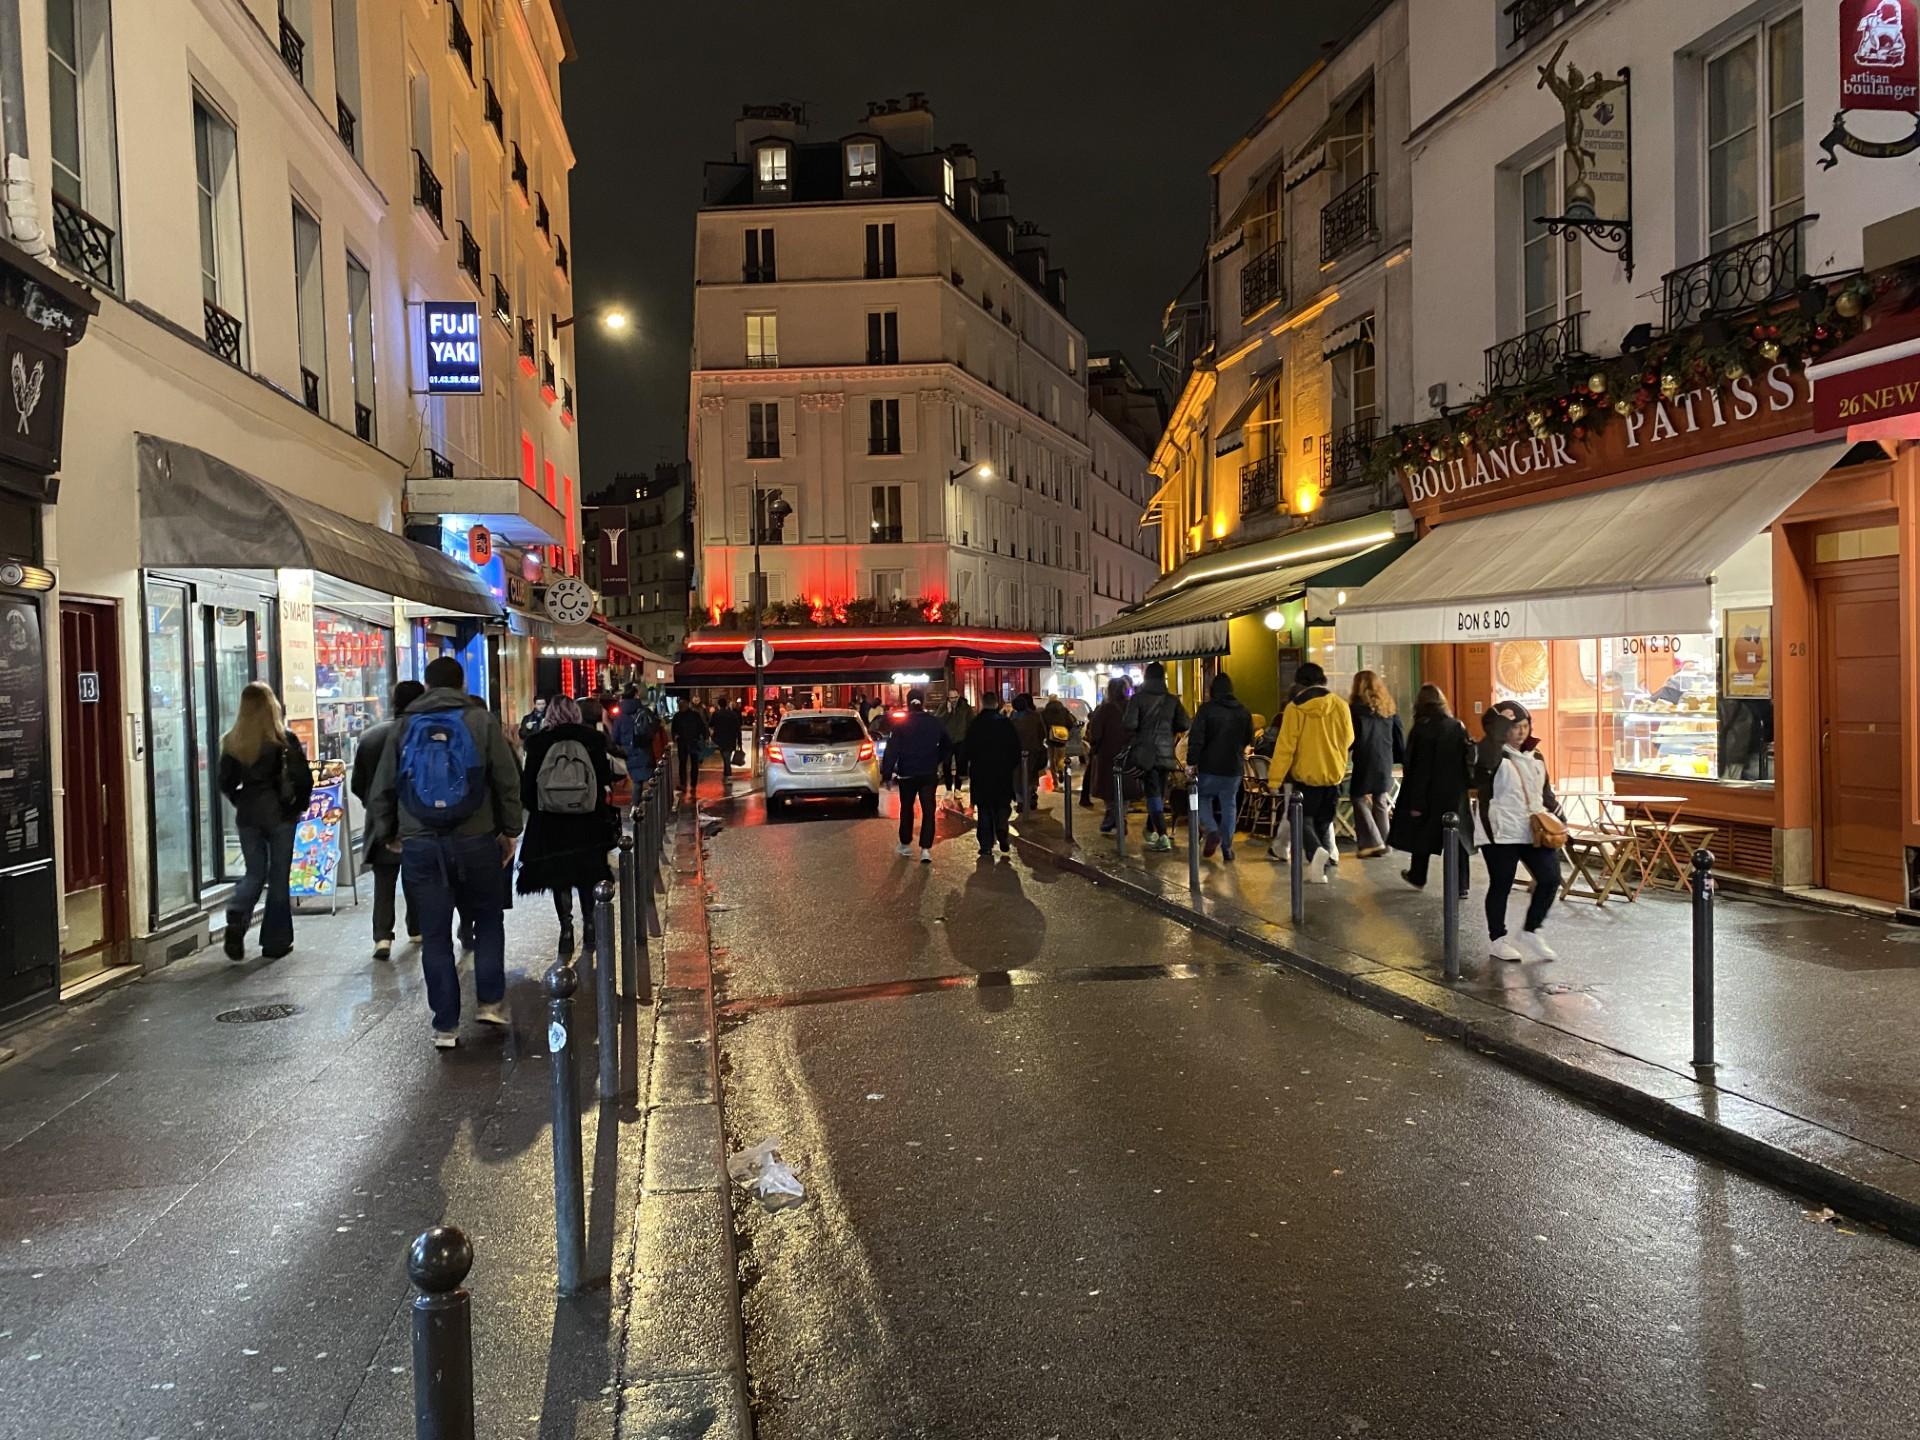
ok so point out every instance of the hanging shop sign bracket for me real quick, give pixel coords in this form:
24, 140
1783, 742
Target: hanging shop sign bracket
1598, 199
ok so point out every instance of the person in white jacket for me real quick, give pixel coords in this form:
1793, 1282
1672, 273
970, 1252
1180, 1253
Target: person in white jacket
1510, 788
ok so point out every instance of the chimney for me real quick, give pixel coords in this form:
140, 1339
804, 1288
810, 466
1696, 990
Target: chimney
787, 121
1030, 253
906, 125
996, 213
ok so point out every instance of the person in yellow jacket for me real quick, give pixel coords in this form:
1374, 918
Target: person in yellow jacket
1311, 753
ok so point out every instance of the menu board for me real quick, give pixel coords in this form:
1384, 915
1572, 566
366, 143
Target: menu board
318, 836
26, 835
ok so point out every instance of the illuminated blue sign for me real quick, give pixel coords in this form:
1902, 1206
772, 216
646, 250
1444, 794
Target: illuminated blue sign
453, 346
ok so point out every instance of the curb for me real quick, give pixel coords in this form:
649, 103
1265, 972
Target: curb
1851, 1176
684, 1371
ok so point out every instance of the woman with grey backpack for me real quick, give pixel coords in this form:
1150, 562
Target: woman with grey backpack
570, 823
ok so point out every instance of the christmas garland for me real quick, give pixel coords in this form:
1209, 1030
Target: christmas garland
1704, 357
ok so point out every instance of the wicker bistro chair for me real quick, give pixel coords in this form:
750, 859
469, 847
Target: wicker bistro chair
1261, 812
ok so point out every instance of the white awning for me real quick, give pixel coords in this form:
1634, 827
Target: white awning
1232, 435
1634, 561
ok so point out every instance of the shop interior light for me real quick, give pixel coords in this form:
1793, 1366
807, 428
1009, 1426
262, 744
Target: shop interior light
1275, 620
1341, 598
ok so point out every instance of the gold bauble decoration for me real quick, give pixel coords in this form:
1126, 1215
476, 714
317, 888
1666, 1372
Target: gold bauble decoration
1769, 350
1623, 406
1736, 371
1669, 384
1848, 304
1576, 411
1597, 383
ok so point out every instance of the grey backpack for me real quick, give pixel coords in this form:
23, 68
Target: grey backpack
566, 784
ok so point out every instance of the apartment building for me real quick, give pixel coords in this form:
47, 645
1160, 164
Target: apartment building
640, 555
1126, 417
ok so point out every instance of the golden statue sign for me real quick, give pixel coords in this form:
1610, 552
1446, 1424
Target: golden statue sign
1598, 199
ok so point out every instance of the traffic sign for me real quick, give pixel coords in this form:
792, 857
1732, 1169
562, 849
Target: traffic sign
758, 653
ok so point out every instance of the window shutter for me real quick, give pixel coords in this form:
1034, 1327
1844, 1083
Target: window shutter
910, 583
737, 430
910, 513
789, 428
740, 515
909, 424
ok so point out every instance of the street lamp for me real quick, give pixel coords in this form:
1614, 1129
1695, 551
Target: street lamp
984, 467
612, 318
769, 506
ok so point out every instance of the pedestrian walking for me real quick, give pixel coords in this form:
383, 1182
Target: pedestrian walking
1106, 745
1217, 752
380, 855
570, 821
531, 721
1154, 717
1439, 771
1032, 731
1379, 744
448, 789
690, 739
916, 754
1316, 736
1059, 725
726, 726
958, 718
1519, 825
993, 768
265, 775
862, 706
637, 736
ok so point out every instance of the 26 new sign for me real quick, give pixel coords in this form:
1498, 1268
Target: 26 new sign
453, 346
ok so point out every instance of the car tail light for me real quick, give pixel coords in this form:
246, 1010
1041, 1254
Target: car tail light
776, 755
866, 749
896, 715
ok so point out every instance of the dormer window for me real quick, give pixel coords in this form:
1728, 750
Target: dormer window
947, 182
773, 167
863, 162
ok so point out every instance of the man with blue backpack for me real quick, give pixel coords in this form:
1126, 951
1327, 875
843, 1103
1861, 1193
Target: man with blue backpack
448, 788
633, 734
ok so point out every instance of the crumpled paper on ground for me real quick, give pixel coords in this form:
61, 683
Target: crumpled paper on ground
760, 1169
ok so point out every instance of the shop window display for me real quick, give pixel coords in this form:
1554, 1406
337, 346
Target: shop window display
353, 671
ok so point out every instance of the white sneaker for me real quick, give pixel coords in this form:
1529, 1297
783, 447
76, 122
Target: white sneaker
926, 857
1537, 943
904, 851
1317, 870
1333, 854
445, 1039
1505, 949
493, 1015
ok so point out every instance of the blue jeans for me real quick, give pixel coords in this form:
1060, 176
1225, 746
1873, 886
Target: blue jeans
447, 872
1220, 794
269, 857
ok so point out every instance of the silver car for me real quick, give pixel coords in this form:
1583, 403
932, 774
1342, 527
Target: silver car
822, 753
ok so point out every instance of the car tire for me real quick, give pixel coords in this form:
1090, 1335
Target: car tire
870, 803
776, 805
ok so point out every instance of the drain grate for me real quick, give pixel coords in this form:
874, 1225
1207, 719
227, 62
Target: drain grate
253, 1014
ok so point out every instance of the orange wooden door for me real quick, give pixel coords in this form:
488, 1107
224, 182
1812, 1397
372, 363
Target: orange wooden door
1860, 732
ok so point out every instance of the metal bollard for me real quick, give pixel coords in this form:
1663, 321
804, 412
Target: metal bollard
1450, 878
1066, 796
1193, 835
1703, 888
442, 1335
1026, 781
569, 1191
630, 923
603, 991
1297, 866
1119, 813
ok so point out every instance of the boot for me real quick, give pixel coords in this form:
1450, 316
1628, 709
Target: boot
566, 938
235, 943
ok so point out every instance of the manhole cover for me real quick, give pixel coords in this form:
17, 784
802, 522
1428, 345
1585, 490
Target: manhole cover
255, 1013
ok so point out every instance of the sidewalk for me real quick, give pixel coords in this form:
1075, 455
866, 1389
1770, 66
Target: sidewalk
1815, 1086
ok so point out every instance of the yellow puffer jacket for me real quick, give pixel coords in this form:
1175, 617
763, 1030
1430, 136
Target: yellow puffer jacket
1315, 736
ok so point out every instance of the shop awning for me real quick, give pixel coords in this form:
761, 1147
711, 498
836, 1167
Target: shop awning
1633, 561
843, 668
198, 512
509, 507
1233, 434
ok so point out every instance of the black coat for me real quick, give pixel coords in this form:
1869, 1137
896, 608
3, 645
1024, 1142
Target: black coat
1222, 730
262, 795
1378, 745
993, 758
565, 851
1439, 769
726, 727
1107, 740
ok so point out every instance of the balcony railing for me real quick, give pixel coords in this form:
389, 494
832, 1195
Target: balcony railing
502, 303
310, 389
1343, 454
223, 332
547, 378
363, 421
438, 465
883, 444
293, 49
519, 169
1264, 280
764, 360
526, 340
886, 534
1530, 17
542, 221
566, 400
469, 253
1541, 352
1348, 220
1741, 277
1260, 486
460, 38
82, 242
496, 116
349, 125
426, 188
763, 447
560, 259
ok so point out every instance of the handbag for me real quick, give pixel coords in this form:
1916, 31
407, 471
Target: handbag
1549, 830
737, 758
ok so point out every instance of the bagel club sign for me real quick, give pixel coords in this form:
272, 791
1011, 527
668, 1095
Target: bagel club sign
1682, 426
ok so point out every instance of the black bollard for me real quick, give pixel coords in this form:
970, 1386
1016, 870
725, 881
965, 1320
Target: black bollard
1703, 887
1193, 833
569, 1191
1066, 797
1026, 773
1119, 813
648, 871
1297, 866
630, 922
442, 1335
603, 991
1450, 877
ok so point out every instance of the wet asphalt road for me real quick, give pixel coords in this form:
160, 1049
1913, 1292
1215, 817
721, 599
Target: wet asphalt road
1217, 1200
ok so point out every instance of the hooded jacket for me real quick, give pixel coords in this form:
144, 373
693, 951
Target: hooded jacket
1314, 739
1222, 730
917, 748
501, 814
1154, 716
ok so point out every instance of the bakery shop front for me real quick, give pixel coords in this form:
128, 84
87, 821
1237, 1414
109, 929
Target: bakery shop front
1703, 599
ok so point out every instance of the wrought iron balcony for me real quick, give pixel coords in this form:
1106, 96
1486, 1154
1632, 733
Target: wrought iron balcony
223, 332
560, 254
82, 242
879, 534
496, 116
547, 379
1348, 220
310, 389
1541, 352
469, 253
1343, 454
502, 303
1531, 17
426, 188
519, 169
363, 421
438, 465
1741, 277
526, 341
763, 447
1264, 280
541, 220
1260, 486
293, 49
883, 444
349, 124
765, 360
460, 38
566, 400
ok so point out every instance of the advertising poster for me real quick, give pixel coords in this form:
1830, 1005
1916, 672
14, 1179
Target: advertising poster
317, 839
1748, 673
26, 834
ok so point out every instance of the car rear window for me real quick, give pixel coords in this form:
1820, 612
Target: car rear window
821, 730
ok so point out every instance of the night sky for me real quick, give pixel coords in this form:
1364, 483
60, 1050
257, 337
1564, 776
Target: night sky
1104, 119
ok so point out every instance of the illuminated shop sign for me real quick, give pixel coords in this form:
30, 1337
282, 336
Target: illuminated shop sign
904, 677
453, 346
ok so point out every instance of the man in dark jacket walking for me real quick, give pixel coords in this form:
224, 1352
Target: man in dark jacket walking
1216, 750
726, 726
1032, 731
1106, 744
917, 751
689, 731
1154, 718
381, 857
993, 763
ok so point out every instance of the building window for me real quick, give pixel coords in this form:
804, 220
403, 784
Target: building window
772, 161
770, 513
346, 73
863, 162
1550, 266
420, 114
963, 433
759, 266
889, 586
883, 337
763, 430
882, 259
360, 345
885, 524
883, 427
1350, 142
1756, 166
217, 179
310, 310
80, 100
763, 342
947, 189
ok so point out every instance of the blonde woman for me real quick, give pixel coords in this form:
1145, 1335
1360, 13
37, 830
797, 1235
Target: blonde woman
264, 773
1379, 744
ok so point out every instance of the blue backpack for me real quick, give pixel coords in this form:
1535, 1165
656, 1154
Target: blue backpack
442, 772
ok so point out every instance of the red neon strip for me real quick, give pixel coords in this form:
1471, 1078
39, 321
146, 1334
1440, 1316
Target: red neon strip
868, 642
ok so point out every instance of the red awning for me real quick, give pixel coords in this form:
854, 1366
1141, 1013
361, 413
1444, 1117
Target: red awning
1871, 384
810, 667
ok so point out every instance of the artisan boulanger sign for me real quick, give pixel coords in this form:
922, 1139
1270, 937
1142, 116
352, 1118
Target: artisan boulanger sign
1879, 71
1680, 426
